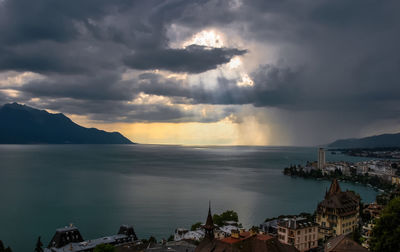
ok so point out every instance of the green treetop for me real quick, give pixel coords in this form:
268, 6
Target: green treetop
229, 215
386, 233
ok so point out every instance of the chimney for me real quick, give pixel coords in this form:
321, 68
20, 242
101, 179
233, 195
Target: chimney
235, 234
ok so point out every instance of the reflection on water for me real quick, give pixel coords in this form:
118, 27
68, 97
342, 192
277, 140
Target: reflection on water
154, 188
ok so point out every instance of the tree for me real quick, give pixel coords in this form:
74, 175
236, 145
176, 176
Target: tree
382, 199
171, 238
229, 215
39, 245
152, 239
255, 229
104, 248
195, 226
386, 233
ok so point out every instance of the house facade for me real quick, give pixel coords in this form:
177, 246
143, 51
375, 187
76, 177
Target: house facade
299, 233
338, 213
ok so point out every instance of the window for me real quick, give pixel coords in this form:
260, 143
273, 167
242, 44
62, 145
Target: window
298, 232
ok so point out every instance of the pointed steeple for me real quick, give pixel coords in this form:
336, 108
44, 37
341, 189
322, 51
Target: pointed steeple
335, 188
209, 226
209, 221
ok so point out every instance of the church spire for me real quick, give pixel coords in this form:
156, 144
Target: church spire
209, 226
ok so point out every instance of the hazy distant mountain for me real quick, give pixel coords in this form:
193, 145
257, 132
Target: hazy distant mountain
21, 124
385, 140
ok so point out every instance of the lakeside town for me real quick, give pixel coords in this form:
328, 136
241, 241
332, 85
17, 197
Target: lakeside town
341, 222
381, 174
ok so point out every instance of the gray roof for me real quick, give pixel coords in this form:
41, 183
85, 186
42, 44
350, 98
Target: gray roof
91, 244
298, 223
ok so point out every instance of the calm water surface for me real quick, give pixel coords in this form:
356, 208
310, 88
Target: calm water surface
154, 188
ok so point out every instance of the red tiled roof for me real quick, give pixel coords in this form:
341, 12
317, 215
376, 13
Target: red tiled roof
244, 236
263, 237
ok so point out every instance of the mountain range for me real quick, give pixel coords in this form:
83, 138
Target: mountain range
21, 124
378, 141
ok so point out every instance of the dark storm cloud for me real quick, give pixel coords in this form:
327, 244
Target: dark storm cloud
3, 98
345, 49
103, 86
114, 111
24, 21
273, 86
111, 111
79, 37
192, 59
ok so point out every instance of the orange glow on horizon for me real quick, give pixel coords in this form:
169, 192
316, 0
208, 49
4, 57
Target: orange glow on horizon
223, 132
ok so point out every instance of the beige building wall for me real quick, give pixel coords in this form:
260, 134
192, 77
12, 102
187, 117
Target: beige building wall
332, 225
395, 180
303, 239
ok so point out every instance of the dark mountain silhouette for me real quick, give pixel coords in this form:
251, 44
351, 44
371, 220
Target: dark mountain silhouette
379, 141
21, 124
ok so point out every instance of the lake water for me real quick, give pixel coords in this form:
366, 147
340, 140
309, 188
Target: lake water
154, 188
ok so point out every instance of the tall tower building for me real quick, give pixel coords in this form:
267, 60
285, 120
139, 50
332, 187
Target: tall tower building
321, 158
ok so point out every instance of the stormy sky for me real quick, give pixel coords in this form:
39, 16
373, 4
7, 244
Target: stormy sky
269, 72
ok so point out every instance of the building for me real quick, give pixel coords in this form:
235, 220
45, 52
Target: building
70, 239
298, 232
374, 210
321, 158
395, 180
225, 231
209, 226
245, 242
185, 234
366, 233
240, 241
338, 213
173, 246
270, 227
342, 243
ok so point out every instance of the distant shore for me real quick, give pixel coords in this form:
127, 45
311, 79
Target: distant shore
385, 152
364, 179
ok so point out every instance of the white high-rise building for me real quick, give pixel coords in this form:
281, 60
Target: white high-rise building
321, 158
